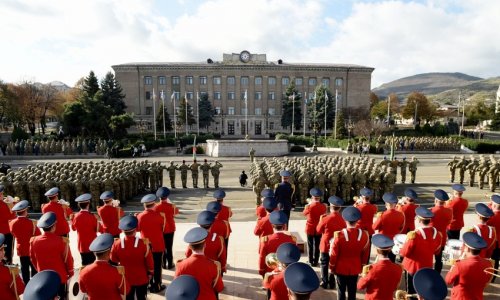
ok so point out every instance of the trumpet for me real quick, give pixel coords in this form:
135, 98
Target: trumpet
366, 270
492, 271
403, 295
272, 261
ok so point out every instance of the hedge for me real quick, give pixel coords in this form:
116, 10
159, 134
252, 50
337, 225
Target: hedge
482, 146
296, 148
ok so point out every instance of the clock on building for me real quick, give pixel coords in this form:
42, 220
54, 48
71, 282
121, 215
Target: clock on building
245, 56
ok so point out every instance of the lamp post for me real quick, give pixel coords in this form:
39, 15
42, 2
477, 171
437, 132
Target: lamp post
350, 127
315, 131
221, 122
266, 116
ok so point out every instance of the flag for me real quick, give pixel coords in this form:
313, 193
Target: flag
162, 95
245, 97
326, 96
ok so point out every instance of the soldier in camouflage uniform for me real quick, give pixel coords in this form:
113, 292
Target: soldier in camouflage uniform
472, 167
215, 171
403, 165
346, 185
304, 182
95, 189
483, 170
65, 189
205, 171
389, 180
462, 166
171, 173
333, 179
412, 167
184, 171
194, 167
34, 193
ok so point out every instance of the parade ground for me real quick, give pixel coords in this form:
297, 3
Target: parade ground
242, 280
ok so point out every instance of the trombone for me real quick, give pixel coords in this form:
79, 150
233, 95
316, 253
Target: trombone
492, 271
403, 295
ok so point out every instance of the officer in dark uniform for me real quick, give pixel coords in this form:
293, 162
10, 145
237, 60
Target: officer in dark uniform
301, 281
283, 193
43, 286
184, 287
429, 284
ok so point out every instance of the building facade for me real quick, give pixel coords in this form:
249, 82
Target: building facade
227, 82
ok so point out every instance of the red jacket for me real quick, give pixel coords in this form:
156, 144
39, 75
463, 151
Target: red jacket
225, 214
313, 212
390, 223
419, 249
260, 211
6, 287
169, 210
327, 226
381, 281
151, 225
206, 271
23, 229
110, 217
468, 278
215, 249
409, 211
275, 281
495, 222
368, 211
51, 252
269, 244
350, 248
5, 215
458, 205
441, 220
86, 226
263, 227
221, 228
62, 215
101, 280
488, 233
135, 256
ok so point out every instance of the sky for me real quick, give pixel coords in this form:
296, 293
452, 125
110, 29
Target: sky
63, 40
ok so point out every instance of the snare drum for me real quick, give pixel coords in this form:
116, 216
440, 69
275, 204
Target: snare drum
74, 292
452, 251
399, 240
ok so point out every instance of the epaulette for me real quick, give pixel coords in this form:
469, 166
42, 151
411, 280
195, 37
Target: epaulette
268, 277
379, 214
336, 234
14, 270
120, 269
411, 235
65, 240
263, 239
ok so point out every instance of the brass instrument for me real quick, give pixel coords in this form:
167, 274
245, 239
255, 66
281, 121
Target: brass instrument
366, 270
492, 271
272, 261
403, 295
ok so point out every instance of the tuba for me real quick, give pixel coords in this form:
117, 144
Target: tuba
403, 295
272, 261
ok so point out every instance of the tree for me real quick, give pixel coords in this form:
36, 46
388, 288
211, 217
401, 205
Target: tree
418, 102
341, 129
29, 98
112, 94
495, 122
119, 124
90, 85
51, 101
206, 111
478, 111
379, 111
9, 109
181, 117
159, 119
373, 99
73, 117
317, 110
292, 105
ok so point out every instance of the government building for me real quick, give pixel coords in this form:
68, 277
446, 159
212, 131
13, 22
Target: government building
228, 81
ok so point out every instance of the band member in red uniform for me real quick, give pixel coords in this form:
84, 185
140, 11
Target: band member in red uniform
390, 222
420, 247
408, 206
441, 221
327, 226
184, 287
458, 205
225, 212
274, 281
151, 225
109, 214
429, 285
260, 210
133, 253
5, 215
368, 211
51, 252
11, 284
219, 226
101, 280
348, 252
381, 279
263, 226
495, 222
86, 226
313, 211
488, 233
169, 211
23, 229
270, 243
301, 281
43, 286
468, 275
206, 271
62, 212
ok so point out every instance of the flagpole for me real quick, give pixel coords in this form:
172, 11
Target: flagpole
154, 112
305, 111
186, 99
336, 111
175, 115
326, 106
293, 111
246, 113
198, 110
163, 107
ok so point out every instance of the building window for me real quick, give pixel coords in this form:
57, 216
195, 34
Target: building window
177, 95
243, 111
339, 81
242, 96
231, 96
230, 110
217, 96
285, 81
312, 81
203, 93
217, 110
230, 127
162, 80
203, 80
258, 80
271, 96
244, 80
258, 111
258, 96
325, 82
176, 80
231, 80
149, 110
189, 95
189, 80
148, 95
271, 125
298, 81
148, 80
217, 80
271, 81
271, 111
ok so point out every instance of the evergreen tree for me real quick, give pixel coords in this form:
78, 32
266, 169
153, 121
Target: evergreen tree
292, 105
317, 111
112, 94
206, 112
90, 85
159, 119
341, 129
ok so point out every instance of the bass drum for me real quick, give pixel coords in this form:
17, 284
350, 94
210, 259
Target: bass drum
74, 292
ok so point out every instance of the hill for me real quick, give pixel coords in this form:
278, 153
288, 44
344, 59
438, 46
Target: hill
485, 90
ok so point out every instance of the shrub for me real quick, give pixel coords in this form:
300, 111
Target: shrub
482, 146
19, 134
296, 148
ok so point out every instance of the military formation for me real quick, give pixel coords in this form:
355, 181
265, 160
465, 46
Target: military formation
126, 179
206, 168
334, 175
53, 146
481, 171
411, 143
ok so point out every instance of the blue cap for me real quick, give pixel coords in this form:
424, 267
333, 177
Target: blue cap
366, 192
20, 206
441, 195
285, 173
351, 214
495, 198
288, 253
162, 192
102, 243
390, 198
269, 203
195, 235
2, 240
315, 192
483, 210
47, 220
106, 195
52, 192
278, 217
424, 213
205, 218
474, 241
184, 287
410, 193
128, 223
148, 198
267, 193
301, 278
336, 201
43, 286
429, 284
214, 207
219, 194
382, 241
458, 187
83, 198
